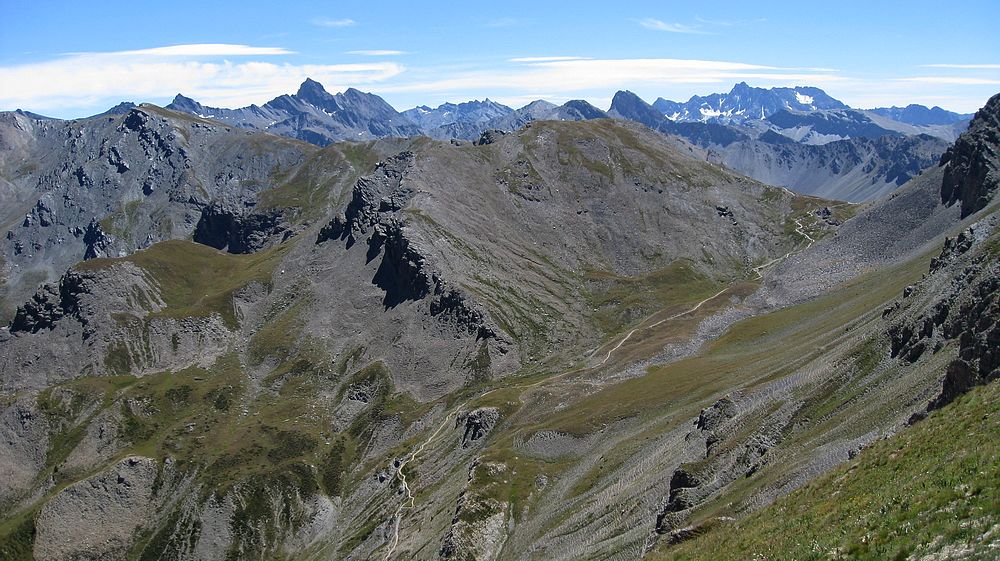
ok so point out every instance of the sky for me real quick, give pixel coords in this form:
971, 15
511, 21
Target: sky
73, 59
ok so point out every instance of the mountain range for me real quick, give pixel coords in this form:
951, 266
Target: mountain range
323, 329
730, 126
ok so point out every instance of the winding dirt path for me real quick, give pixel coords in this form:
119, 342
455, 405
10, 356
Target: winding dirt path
409, 500
758, 270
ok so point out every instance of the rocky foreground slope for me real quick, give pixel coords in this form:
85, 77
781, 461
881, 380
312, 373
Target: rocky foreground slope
577, 340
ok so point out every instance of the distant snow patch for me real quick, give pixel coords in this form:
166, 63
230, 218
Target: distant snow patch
803, 99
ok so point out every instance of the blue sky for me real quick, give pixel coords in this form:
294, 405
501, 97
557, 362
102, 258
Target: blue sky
71, 59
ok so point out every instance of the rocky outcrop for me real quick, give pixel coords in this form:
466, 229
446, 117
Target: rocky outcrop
381, 192
489, 137
972, 164
240, 232
728, 456
24, 440
98, 517
478, 423
51, 303
957, 303
404, 273
103, 320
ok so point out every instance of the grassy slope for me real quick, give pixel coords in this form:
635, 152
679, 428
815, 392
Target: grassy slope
197, 280
752, 351
932, 488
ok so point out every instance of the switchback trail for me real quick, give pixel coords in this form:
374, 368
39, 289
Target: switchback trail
758, 270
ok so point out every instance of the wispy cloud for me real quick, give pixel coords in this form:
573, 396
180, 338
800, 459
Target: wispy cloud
658, 25
196, 50
88, 79
378, 52
333, 22
545, 58
956, 80
965, 66
502, 22
570, 77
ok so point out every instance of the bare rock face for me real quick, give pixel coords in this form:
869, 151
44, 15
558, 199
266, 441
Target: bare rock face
962, 305
97, 517
111, 185
238, 231
24, 439
972, 164
478, 423
94, 321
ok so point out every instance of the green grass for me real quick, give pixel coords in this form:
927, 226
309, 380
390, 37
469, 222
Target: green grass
279, 338
933, 485
621, 301
313, 186
752, 352
17, 537
122, 222
196, 280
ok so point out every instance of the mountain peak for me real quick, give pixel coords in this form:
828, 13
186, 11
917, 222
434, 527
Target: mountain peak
184, 103
310, 89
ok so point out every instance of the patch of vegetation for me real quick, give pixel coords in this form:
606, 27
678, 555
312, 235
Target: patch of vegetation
278, 338
480, 365
68, 409
256, 524
118, 361
621, 301
383, 404
122, 222
930, 489
290, 444
316, 184
333, 467
196, 280
515, 484
753, 351
17, 538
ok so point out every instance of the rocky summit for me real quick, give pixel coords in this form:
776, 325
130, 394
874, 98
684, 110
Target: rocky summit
323, 329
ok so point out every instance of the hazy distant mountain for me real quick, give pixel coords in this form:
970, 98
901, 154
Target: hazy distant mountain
538, 110
810, 115
820, 127
120, 109
314, 115
477, 112
840, 154
920, 115
744, 102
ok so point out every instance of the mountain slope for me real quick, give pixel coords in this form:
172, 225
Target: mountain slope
576, 340
744, 103
856, 170
114, 184
313, 115
927, 491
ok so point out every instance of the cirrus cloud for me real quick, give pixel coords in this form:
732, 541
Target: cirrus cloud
378, 52
84, 80
659, 25
333, 22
